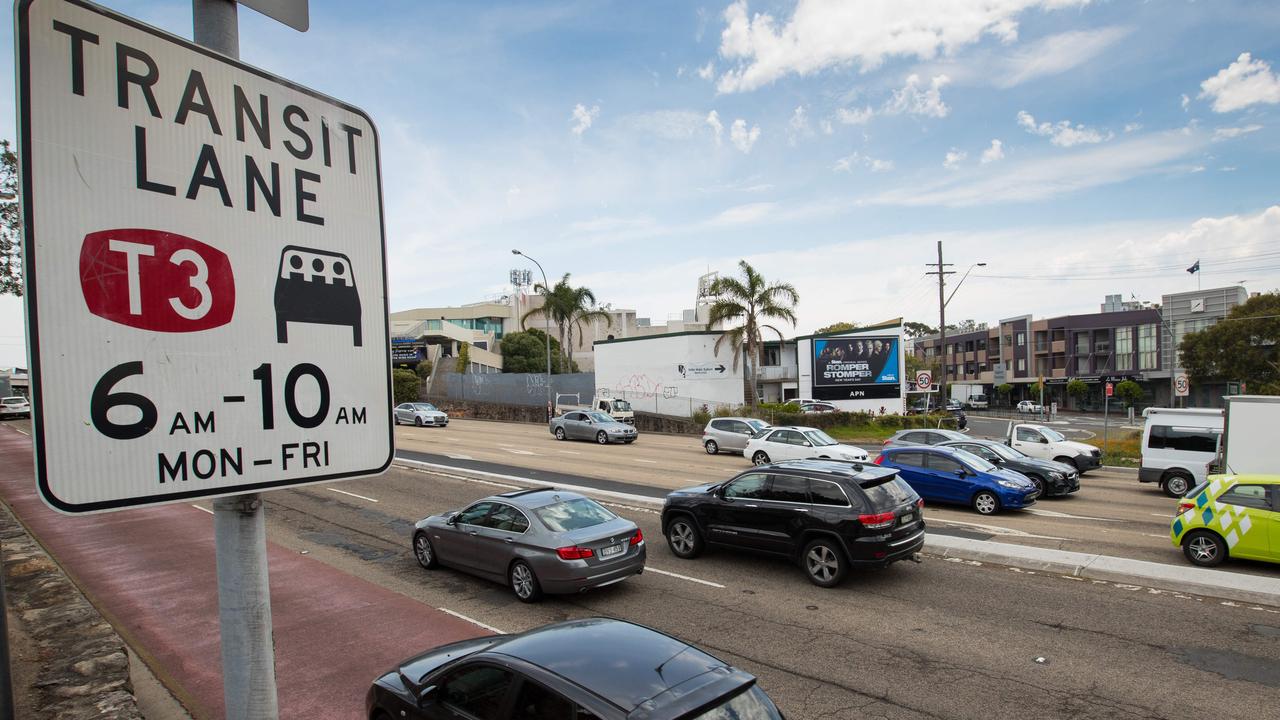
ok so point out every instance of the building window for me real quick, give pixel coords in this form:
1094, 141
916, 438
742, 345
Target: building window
1082, 343
1022, 339
1148, 357
1124, 349
1022, 365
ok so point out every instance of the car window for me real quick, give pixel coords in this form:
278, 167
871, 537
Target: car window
909, 459
474, 514
401, 406
426, 406
1028, 435
915, 437
756, 425
787, 488
1053, 435
720, 425
479, 691
888, 494
973, 461
506, 518
600, 417
822, 492
1254, 496
939, 463
1187, 439
573, 514
788, 437
820, 439
981, 451
747, 487
750, 705
535, 702
574, 416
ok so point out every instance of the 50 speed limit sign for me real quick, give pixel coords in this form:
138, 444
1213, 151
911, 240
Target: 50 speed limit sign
924, 380
205, 269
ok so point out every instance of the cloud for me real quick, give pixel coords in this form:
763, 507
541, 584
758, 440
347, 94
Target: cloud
668, 124
1243, 83
1186, 102
583, 117
741, 137
1054, 55
1226, 133
1132, 127
993, 153
713, 121
1062, 133
743, 214
827, 127
917, 100
848, 162
799, 126
954, 158
855, 116
825, 34
1038, 178
708, 71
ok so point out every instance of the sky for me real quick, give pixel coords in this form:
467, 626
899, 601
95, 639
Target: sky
1079, 148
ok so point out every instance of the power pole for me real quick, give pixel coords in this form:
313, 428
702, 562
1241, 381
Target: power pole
942, 272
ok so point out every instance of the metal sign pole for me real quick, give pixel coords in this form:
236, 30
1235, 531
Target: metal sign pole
239, 522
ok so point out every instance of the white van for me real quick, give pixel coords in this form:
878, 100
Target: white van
1177, 446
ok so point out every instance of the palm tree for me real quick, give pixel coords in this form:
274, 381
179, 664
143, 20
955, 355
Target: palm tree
750, 301
582, 308
555, 305
568, 307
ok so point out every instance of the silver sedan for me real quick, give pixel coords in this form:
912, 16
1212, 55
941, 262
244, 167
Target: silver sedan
421, 414
539, 540
577, 425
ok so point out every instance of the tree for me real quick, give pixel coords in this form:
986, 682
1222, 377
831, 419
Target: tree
1004, 391
918, 329
1129, 391
836, 327
404, 384
463, 363
750, 300
1078, 390
568, 307
1243, 347
423, 369
10, 230
526, 352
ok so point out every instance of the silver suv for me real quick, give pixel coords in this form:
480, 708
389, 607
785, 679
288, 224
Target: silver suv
923, 436
730, 433
16, 406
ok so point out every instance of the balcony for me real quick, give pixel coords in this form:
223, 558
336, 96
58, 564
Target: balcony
1059, 373
779, 373
1058, 347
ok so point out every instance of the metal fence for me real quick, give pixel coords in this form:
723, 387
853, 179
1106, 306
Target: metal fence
513, 388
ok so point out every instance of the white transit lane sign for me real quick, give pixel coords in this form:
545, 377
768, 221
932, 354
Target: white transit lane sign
205, 266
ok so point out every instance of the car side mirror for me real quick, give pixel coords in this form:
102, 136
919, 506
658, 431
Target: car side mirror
997, 461
452, 519
427, 696
806, 443
1044, 440
961, 473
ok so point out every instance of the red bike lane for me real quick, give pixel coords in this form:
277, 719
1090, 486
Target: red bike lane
151, 573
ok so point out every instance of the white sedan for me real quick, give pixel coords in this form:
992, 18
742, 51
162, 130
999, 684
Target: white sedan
799, 443
1026, 406
420, 414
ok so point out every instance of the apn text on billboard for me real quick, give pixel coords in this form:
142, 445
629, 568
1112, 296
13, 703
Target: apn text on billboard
856, 368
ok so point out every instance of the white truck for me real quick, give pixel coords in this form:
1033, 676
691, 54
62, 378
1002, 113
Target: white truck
1046, 443
1249, 435
615, 408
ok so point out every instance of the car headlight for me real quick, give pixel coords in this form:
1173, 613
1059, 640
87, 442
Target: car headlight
1009, 484
1057, 476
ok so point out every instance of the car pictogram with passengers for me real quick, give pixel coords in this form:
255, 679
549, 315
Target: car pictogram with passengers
317, 287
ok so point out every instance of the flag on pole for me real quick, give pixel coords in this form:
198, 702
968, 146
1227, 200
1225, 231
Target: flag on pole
1194, 268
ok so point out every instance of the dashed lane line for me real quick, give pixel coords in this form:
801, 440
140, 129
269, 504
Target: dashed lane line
1056, 514
708, 583
344, 492
473, 621
458, 457
568, 452
647, 462
202, 509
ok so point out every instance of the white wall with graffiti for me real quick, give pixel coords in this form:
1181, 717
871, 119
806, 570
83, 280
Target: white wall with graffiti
674, 374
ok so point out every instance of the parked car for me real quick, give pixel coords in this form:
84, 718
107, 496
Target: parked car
818, 407
16, 406
1027, 406
730, 433
421, 414
923, 437
923, 405
589, 669
537, 540
1177, 446
824, 516
797, 443
578, 425
954, 405
948, 475
1052, 479
1230, 516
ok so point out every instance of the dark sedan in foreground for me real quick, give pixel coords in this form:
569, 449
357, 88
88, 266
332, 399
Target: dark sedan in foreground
592, 669
538, 540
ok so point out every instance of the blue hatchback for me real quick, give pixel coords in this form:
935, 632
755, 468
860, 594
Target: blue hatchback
948, 475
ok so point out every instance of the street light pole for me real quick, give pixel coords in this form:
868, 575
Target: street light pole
546, 315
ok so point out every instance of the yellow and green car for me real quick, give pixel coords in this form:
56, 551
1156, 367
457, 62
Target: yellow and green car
1230, 515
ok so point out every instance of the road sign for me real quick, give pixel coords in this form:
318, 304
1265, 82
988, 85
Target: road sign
924, 380
1181, 385
206, 276
1110, 389
293, 13
702, 369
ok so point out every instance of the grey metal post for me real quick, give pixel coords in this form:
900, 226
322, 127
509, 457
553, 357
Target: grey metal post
546, 316
239, 522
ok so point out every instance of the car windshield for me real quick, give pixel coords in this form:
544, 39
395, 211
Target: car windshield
1004, 451
973, 461
573, 515
887, 492
750, 705
12, 401
756, 425
1053, 435
621, 406
819, 438
425, 406
599, 417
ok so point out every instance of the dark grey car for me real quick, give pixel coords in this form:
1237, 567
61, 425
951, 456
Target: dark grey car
581, 425
536, 540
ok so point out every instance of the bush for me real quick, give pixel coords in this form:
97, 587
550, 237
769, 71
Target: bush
702, 415
724, 411
423, 370
404, 385
891, 422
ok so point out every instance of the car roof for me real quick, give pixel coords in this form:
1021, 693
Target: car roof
973, 441
536, 497
950, 451
801, 428
621, 662
831, 469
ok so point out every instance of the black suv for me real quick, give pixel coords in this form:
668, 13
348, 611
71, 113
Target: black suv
824, 514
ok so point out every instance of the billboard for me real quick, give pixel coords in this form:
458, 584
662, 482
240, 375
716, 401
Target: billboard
856, 368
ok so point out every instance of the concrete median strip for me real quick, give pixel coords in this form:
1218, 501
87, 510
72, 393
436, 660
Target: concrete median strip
1200, 581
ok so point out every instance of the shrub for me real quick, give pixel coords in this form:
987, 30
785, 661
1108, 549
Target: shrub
404, 386
423, 370
723, 411
891, 422
702, 415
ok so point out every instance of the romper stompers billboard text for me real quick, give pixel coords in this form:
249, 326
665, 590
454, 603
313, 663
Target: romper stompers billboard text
855, 368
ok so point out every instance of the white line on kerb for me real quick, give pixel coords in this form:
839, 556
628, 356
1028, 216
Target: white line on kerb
473, 621
683, 577
344, 492
202, 509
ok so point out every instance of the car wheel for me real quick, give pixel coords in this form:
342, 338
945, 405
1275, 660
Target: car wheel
711, 447
559, 433
684, 539
602, 437
417, 421
524, 583
1204, 548
824, 563
986, 503
424, 551
1038, 482
760, 458
1176, 485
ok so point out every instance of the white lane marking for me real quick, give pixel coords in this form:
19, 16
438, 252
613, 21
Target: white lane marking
514, 451
1166, 516
683, 577
459, 457
24, 432
633, 508
516, 478
650, 462
473, 621
203, 509
344, 492
1055, 513
995, 529
568, 452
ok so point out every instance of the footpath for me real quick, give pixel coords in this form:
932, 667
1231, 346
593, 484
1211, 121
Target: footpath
151, 573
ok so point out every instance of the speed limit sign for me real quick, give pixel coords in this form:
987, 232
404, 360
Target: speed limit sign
1181, 386
924, 380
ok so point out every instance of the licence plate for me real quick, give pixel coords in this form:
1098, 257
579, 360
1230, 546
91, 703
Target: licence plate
908, 518
611, 550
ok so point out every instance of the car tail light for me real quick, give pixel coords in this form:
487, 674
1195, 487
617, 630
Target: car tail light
920, 503
637, 538
1185, 506
878, 521
886, 442
880, 459
575, 553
